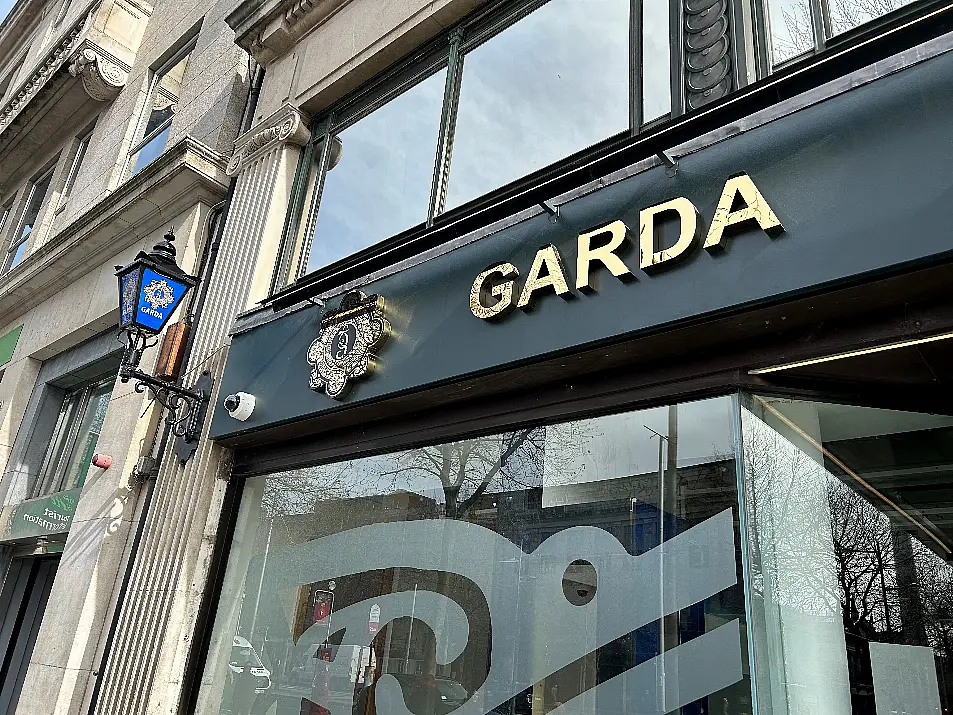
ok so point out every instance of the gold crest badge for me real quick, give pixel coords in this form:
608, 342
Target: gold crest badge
346, 347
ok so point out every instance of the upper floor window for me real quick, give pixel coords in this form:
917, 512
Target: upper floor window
523, 90
75, 434
160, 107
78, 155
35, 201
798, 27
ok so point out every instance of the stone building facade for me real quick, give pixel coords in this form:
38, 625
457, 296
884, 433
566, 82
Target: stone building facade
317, 149
116, 124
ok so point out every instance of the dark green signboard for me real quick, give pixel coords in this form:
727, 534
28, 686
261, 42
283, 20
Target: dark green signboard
44, 516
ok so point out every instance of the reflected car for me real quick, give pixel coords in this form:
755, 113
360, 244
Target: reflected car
244, 654
423, 695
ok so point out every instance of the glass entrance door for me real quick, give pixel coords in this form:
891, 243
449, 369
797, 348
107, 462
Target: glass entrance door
850, 536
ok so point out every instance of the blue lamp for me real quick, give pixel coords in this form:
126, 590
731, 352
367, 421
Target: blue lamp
151, 287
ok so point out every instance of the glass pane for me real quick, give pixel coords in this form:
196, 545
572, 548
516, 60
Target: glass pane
74, 167
60, 444
382, 184
516, 573
33, 206
87, 435
850, 538
18, 253
165, 97
848, 14
150, 151
550, 85
656, 60
792, 28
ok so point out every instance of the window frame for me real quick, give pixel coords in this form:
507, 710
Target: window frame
81, 145
17, 239
753, 72
51, 478
156, 76
447, 50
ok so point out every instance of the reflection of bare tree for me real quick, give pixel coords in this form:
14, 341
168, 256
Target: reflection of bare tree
297, 491
513, 461
797, 34
866, 563
822, 547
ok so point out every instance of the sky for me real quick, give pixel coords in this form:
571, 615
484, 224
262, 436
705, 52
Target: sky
5, 6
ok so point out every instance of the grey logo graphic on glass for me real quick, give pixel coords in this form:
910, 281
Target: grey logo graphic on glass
633, 591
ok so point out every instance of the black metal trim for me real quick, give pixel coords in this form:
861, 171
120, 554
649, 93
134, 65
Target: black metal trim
621, 151
197, 655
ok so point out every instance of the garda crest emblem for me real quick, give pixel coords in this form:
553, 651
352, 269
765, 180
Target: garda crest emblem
346, 346
159, 294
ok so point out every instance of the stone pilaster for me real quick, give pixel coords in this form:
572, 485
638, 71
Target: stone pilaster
145, 670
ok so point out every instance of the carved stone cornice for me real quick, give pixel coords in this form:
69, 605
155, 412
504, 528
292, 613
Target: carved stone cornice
268, 29
53, 61
288, 125
102, 76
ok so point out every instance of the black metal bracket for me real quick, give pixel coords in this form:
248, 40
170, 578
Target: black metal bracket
550, 208
185, 407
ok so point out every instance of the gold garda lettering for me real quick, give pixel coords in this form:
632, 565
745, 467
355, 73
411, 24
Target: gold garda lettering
555, 277
604, 254
756, 209
503, 292
689, 234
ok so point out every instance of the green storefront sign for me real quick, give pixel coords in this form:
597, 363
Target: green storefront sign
8, 343
44, 516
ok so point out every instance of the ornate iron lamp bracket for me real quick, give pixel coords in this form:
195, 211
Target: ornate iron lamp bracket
185, 408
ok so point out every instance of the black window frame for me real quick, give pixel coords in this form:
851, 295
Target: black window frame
55, 467
132, 156
757, 83
18, 238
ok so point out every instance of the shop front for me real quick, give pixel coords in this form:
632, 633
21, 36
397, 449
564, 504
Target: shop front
683, 445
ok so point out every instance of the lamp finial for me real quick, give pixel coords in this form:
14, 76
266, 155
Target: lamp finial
164, 247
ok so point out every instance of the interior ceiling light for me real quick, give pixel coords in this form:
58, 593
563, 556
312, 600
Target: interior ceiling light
850, 354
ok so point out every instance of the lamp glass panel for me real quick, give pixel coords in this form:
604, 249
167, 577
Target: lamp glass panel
159, 296
128, 294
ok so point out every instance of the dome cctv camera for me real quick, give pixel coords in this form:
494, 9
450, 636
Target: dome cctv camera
240, 405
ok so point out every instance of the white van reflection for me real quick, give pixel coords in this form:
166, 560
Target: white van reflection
245, 667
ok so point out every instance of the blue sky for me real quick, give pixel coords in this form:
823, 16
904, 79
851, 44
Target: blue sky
5, 6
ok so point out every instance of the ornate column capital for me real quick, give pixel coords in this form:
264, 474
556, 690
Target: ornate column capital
102, 78
288, 125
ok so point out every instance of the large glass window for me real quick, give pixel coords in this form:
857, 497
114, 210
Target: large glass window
850, 514
544, 88
381, 183
36, 200
74, 438
595, 567
581, 568
528, 87
159, 111
801, 26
